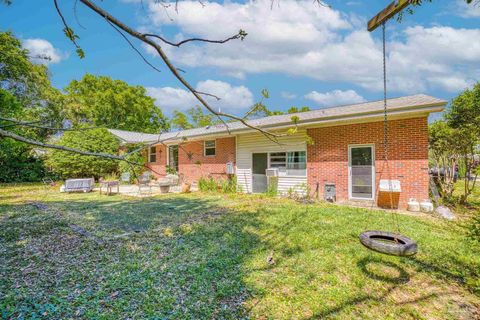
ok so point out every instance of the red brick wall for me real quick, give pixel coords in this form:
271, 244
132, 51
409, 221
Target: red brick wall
191, 160
408, 155
193, 164
158, 168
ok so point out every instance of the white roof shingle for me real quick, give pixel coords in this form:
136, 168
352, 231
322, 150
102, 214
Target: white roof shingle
408, 102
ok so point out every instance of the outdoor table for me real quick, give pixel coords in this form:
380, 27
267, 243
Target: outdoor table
108, 185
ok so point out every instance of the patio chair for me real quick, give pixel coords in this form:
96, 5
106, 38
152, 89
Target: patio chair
144, 184
125, 177
48, 182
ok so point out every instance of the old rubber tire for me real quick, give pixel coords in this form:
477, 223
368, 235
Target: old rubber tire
389, 243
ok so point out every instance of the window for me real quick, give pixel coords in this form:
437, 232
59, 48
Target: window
289, 163
209, 147
152, 154
296, 160
297, 163
278, 160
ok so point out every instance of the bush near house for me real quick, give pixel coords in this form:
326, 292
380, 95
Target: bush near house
134, 170
72, 165
223, 185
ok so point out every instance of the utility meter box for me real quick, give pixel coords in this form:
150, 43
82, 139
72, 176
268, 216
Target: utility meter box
230, 169
330, 192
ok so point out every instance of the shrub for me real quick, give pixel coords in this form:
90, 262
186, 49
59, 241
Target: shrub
475, 229
224, 185
207, 184
73, 165
229, 185
134, 170
272, 188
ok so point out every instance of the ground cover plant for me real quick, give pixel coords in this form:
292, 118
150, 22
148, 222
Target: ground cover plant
223, 256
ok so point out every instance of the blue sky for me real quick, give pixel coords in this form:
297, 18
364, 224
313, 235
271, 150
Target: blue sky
304, 54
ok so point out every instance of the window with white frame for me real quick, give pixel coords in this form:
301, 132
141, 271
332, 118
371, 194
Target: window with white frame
289, 163
278, 160
296, 163
152, 154
209, 147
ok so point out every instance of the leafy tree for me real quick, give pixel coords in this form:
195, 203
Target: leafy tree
196, 118
71, 165
296, 110
463, 116
105, 102
26, 94
260, 110
464, 111
17, 160
180, 121
444, 155
28, 83
201, 119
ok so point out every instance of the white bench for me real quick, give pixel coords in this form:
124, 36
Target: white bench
75, 185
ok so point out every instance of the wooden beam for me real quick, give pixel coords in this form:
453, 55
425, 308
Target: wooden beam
391, 10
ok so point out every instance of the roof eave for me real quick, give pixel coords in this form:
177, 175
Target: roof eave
411, 111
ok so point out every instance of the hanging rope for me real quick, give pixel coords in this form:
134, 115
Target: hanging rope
385, 129
385, 119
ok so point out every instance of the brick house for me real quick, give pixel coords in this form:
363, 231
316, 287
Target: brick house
345, 149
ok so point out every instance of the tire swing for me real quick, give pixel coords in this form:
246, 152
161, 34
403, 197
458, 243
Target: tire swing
383, 241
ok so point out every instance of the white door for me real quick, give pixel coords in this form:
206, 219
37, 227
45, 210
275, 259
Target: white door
361, 167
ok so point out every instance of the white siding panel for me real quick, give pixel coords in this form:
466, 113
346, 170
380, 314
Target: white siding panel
295, 184
257, 143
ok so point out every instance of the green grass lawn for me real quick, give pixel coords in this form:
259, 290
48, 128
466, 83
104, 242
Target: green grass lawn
204, 256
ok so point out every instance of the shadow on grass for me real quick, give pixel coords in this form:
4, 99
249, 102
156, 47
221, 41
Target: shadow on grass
366, 264
195, 272
392, 283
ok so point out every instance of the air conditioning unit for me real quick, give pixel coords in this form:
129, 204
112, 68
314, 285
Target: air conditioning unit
272, 172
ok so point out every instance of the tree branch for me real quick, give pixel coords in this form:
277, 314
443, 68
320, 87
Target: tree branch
208, 94
172, 68
14, 136
17, 124
133, 47
240, 35
33, 125
69, 31
17, 137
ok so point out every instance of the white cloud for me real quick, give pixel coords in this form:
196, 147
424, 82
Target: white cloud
451, 84
335, 98
232, 98
42, 51
287, 95
298, 38
467, 10
172, 98
438, 57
